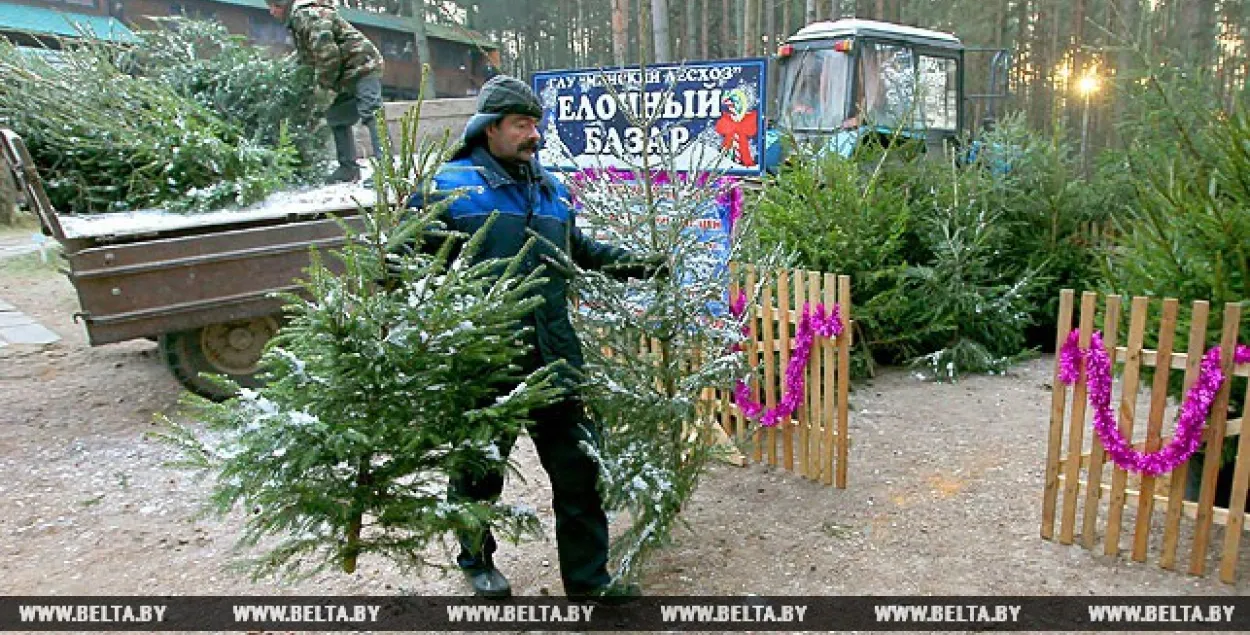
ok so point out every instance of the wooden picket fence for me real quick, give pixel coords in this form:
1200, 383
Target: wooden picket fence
814, 442
1095, 493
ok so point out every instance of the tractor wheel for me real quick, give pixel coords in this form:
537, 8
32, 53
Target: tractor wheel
232, 349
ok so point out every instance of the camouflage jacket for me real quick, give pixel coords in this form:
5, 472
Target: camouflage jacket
338, 53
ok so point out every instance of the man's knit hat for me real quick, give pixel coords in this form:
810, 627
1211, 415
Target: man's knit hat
502, 95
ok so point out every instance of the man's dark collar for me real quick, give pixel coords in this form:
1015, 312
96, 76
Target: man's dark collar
496, 176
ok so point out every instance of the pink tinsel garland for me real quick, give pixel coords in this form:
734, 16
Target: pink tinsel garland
1189, 425
810, 325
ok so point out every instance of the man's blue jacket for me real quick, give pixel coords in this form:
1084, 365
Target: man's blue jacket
541, 205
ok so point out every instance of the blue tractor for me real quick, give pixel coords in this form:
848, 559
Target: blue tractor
838, 84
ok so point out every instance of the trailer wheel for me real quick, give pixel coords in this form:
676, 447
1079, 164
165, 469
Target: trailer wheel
232, 349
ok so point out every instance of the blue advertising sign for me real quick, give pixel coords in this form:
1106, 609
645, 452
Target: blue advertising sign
709, 117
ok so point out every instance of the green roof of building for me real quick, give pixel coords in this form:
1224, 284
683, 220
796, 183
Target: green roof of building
392, 23
40, 21
458, 33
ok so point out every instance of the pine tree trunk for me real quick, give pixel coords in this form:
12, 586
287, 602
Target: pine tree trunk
1197, 32
750, 27
513, 49
786, 25
1184, 21
1232, 17
561, 44
535, 45
635, 22
761, 24
518, 64
1148, 29
879, 14
1124, 17
1078, 36
422, 45
1076, 107
356, 523
1040, 95
770, 18
1024, 50
809, 11
1000, 22
707, 20
645, 25
691, 49
577, 49
740, 12
620, 31
1055, 53
1000, 37
582, 41
660, 32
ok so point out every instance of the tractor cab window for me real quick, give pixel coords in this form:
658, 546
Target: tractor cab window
939, 91
813, 90
885, 86
896, 87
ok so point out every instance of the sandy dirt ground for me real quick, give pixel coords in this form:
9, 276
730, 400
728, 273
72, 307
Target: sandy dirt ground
944, 494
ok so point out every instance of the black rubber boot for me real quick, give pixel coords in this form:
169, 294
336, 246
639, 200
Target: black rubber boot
488, 583
344, 174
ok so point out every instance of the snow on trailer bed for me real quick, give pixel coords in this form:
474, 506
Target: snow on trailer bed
307, 201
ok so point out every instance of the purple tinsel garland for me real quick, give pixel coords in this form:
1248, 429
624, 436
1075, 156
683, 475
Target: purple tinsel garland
1189, 425
810, 325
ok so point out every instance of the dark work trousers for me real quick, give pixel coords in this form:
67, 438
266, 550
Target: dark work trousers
581, 524
360, 103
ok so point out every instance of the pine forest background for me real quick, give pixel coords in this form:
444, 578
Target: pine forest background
1053, 42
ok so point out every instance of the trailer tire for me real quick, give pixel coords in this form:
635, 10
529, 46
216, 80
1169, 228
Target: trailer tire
231, 349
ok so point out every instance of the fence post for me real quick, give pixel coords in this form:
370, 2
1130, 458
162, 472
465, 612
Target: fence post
1054, 443
1215, 443
1110, 330
1176, 494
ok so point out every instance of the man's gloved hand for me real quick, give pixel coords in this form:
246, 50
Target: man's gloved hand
641, 268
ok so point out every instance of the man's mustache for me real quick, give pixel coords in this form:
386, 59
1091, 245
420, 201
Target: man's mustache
528, 145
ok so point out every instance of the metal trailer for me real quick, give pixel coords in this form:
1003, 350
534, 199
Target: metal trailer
201, 285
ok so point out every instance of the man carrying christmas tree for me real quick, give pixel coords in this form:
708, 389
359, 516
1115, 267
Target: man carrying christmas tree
496, 170
344, 62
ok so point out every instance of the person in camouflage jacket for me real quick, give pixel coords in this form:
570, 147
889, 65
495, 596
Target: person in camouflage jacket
344, 62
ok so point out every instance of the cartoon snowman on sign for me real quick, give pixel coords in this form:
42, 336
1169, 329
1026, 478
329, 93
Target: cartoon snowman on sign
738, 124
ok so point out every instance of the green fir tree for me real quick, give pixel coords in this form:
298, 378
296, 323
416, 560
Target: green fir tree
655, 351
346, 450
